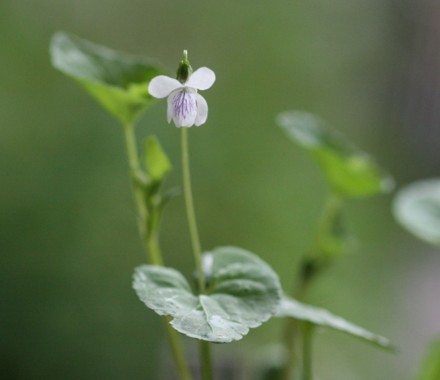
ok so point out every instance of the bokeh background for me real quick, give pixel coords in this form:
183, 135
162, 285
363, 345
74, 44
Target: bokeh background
68, 236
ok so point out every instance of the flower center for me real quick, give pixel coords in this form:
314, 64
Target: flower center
184, 104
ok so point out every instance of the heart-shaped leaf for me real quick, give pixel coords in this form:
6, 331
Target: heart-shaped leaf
431, 364
417, 208
117, 80
321, 317
349, 171
243, 292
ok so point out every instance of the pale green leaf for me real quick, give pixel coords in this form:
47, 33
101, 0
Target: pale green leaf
350, 172
321, 317
417, 208
119, 81
158, 164
243, 292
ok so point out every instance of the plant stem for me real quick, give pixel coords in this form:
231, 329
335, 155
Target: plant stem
311, 266
332, 207
136, 177
153, 249
177, 351
205, 350
206, 359
151, 242
307, 351
289, 343
191, 215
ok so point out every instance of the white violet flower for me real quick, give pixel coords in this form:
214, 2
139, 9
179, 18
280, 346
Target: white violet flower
185, 106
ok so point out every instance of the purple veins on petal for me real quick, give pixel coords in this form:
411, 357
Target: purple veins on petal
184, 108
183, 104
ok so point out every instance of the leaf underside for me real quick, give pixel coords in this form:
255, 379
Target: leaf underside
119, 81
321, 317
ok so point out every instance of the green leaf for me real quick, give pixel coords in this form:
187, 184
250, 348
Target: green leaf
321, 317
243, 292
158, 164
431, 364
417, 208
334, 239
117, 80
350, 172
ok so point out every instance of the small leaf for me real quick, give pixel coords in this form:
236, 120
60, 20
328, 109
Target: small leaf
117, 80
158, 164
431, 364
243, 293
417, 208
321, 317
349, 171
334, 239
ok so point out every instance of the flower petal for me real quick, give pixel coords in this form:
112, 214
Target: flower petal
201, 79
170, 108
161, 86
182, 108
202, 110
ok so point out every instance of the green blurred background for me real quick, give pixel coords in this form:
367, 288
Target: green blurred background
68, 233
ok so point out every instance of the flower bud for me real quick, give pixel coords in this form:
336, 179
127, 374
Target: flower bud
184, 70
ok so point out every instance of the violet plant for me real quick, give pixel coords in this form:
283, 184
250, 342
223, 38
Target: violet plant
234, 290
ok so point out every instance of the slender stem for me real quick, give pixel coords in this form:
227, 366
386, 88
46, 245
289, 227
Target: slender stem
205, 349
290, 337
135, 171
307, 351
150, 240
310, 268
139, 195
177, 351
153, 249
206, 359
191, 215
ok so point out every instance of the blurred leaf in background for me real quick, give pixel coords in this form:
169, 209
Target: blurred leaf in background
417, 208
431, 364
350, 172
